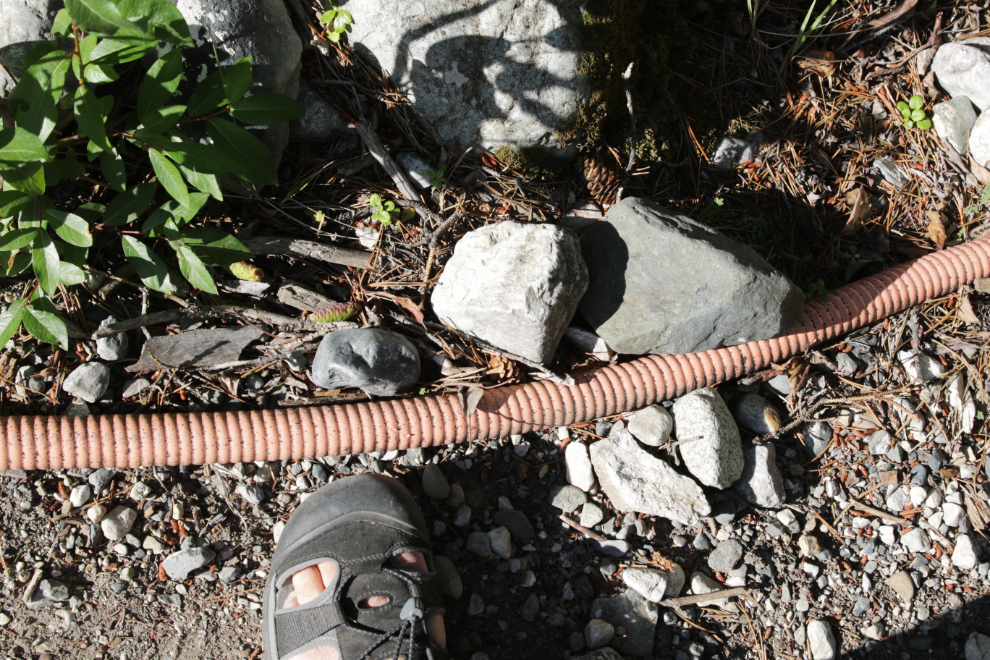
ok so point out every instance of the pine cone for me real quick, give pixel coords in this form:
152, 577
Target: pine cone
603, 179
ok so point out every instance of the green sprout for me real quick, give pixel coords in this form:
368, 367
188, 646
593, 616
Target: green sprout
912, 113
816, 288
386, 211
437, 175
338, 21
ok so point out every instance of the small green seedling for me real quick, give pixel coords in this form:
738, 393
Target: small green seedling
912, 113
386, 211
816, 288
338, 21
437, 175
984, 200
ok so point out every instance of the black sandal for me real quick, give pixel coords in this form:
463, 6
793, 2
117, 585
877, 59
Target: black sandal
358, 523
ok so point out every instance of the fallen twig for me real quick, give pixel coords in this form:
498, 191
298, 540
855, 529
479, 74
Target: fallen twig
295, 247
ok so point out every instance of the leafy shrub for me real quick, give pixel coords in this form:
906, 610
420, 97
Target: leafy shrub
65, 129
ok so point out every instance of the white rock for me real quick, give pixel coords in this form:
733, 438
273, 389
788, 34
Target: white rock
934, 499
702, 584
118, 522
918, 495
651, 425
88, 381
651, 584
977, 647
79, 496
367, 236
675, 581
822, 641
114, 347
953, 121
961, 401
515, 286
952, 514
755, 414
96, 513
761, 483
887, 535
578, 464
591, 515
898, 500
916, 541
140, 491
588, 342
636, 481
500, 540
920, 366
964, 554
963, 71
708, 438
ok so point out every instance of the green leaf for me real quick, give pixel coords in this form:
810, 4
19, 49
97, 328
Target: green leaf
204, 182
925, 124
18, 145
100, 73
168, 175
89, 115
69, 227
62, 26
917, 115
26, 177
342, 21
11, 320
45, 326
916, 102
148, 265
205, 158
17, 239
328, 16
194, 270
37, 92
158, 121
67, 167
159, 83
215, 246
253, 161
70, 274
160, 17
114, 170
208, 95
266, 109
100, 16
14, 264
903, 108
129, 205
237, 79
31, 217
44, 258
121, 50
13, 202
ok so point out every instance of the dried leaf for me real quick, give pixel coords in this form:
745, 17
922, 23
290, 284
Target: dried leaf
820, 62
965, 313
470, 399
900, 11
860, 208
404, 303
981, 173
936, 228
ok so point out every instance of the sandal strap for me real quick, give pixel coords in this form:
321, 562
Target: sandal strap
299, 626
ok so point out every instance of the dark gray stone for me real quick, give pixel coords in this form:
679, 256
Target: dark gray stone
636, 615
48, 592
23, 21
179, 565
88, 381
725, 557
101, 478
114, 347
321, 121
377, 361
516, 522
660, 282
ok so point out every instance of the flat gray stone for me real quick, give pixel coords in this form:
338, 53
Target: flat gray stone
761, 483
435, 483
480, 72
479, 544
979, 140
636, 481
725, 556
815, 437
48, 592
114, 347
567, 498
634, 614
88, 381
377, 361
195, 349
953, 121
651, 425
902, 585
179, 565
134, 387
513, 285
651, 584
708, 438
714, 291
963, 71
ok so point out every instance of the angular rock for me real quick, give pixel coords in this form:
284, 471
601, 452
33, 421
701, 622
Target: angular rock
492, 74
578, 464
636, 481
634, 614
708, 438
979, 140
479, 544
88, 381
815, 437
22, 21
588, 342
118, 522
435, 483
114, 347
514, 286
377, 361
916, 541
822, 641
963, 71
732, 152
953, 121
725, 556
902, 585
715, 291
675, 581
48, 592
598, 633
500, 540
964, 554
79, 495
755, 414
978, 647
195, 349
591, 515
651, 425
134, 387
567, 498
179, 565
650, 584
761, 483
415, 166
702, 584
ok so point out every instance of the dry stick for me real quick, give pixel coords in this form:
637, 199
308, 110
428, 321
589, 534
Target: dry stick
309, 250
700, 598
581, 528
374, 145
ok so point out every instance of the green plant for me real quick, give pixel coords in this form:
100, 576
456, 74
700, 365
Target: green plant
133, 144
437, 175
708, 213
336, 312
816, 288
912, 113
805, 32
972, 209
386, 211
338, 21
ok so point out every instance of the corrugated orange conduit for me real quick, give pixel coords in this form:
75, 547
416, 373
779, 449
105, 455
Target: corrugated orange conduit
224, 437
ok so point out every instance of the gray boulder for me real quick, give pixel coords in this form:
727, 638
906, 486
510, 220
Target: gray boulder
636, 481
88, 381
953, 120
708, 438
23, 21
761, 483
660, 282
635, 615
963, 71
979, 140
515, 286
490, 72
377, 361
